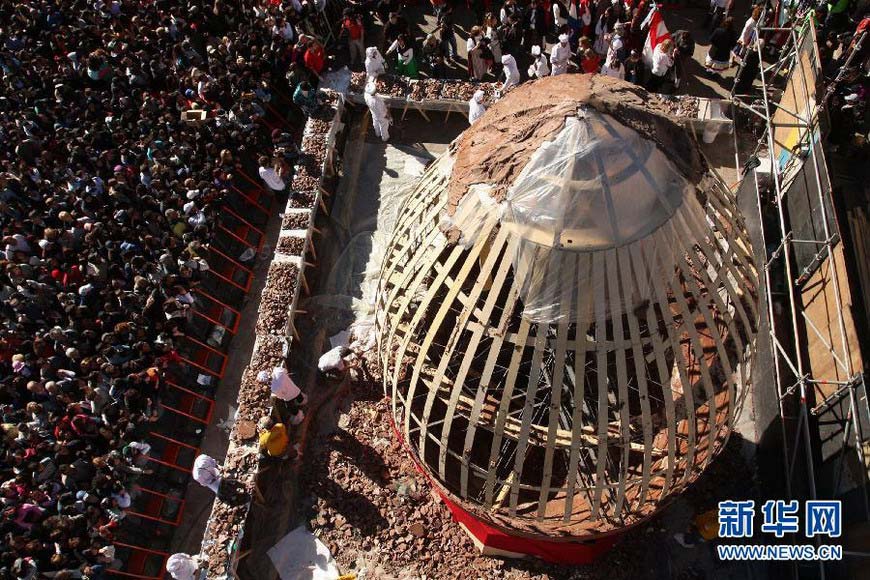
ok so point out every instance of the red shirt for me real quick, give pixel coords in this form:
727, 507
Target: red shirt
353, 27
591, 65
314, 59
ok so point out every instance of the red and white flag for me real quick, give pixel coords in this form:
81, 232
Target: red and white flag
658, 33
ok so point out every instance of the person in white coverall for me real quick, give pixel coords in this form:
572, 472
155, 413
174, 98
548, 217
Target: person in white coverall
476, 108
181, 566
206, 473
380, 113
511, 73
559, 55
540, 68
374, 63
284, 389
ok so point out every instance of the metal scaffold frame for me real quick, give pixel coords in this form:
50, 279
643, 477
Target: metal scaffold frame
810, 395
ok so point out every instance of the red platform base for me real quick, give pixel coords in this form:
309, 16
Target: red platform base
494, 542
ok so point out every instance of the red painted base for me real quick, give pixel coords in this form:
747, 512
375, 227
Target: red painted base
490, 537
549, 551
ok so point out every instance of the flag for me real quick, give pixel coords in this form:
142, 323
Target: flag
658, 33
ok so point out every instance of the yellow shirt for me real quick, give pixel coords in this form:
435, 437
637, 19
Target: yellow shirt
275, 441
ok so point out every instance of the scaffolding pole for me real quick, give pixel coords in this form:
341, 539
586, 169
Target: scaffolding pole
795, 358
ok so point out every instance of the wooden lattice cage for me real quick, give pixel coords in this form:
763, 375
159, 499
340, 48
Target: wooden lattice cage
568, 344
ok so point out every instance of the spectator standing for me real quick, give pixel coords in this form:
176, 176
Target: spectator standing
613, 68
448, 34
437, 7
560, 16
536, 24
718, 10
662, 61
395, 27
749, 32
352, 27
270, 176
475, 45
433, 56
616, 49
492, 31
406, 63
722, 41
591, 61
315, 57
634, 68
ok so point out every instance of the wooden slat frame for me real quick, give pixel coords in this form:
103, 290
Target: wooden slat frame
698, 274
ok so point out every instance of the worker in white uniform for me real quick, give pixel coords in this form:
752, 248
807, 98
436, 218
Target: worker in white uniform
334, 363
559, 55
476, 108
380, 113
181, 566
540, 68
511, 73
206, 472
284, 389
374, 63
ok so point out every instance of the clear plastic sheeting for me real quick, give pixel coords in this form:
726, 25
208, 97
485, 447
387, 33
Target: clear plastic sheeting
597, 187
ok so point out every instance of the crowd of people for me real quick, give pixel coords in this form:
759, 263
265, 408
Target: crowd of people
606, 36
557, 36
110, 193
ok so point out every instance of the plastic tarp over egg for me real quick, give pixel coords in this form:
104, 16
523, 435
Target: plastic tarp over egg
596, 187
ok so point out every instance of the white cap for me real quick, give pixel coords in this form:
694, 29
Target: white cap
371, 89
563, 38
536, 50
264, 376
478, 95
506, 59
851, 98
